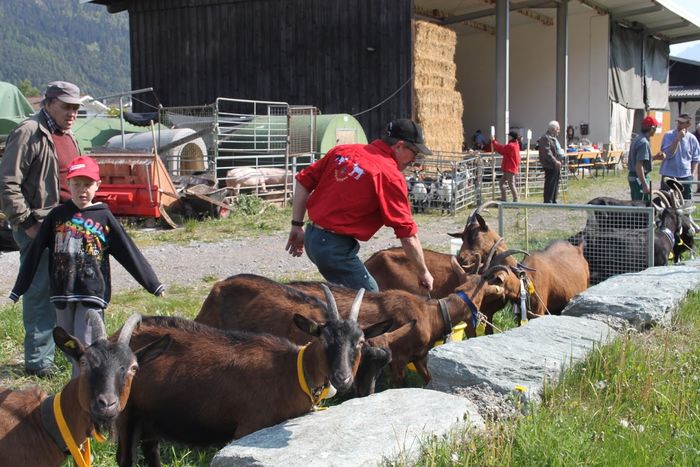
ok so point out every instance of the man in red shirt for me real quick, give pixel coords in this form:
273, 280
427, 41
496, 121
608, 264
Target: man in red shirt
510, 165
351, 193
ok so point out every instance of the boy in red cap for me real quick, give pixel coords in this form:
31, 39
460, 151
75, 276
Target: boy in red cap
639, 161
80, 236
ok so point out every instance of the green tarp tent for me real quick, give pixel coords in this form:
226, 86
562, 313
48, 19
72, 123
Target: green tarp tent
13, 104
14, 108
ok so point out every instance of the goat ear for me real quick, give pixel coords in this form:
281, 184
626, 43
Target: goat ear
378, 329
455, 234
153, 349
307, 325
458, 269
69, 344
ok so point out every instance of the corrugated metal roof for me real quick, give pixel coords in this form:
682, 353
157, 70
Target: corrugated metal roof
665, 19
682, 93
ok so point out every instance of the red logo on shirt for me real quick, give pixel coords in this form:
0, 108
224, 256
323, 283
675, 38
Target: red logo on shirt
347, 168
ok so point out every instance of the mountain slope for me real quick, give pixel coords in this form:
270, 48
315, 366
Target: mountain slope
46, 40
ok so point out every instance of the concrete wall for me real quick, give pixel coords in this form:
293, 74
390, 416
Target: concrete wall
532, 77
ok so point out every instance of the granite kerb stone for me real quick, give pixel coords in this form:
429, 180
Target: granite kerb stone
359, 432
522, 357
642, 299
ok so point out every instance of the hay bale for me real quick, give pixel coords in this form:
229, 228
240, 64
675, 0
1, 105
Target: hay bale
438, 106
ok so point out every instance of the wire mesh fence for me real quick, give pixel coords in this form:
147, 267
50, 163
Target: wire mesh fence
616, 239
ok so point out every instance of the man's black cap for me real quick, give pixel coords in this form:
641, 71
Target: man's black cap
407, 130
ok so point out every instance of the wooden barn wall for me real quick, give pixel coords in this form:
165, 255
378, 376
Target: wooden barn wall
340, 56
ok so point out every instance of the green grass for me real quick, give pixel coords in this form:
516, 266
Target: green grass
631, 403
250, 218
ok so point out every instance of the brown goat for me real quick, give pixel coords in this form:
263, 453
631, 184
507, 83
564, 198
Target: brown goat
90, 402
212, 385
556, 275
247, 302
393, 270
403, 307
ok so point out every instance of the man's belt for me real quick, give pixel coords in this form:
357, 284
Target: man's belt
316, 226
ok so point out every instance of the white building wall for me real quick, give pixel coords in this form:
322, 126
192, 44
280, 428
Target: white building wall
533, 74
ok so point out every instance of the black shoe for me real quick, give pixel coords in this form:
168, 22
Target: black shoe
46, 372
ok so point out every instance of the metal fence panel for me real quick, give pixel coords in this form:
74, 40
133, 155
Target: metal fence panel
616, 239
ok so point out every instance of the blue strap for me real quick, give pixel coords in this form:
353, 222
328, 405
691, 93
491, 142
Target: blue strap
475, 311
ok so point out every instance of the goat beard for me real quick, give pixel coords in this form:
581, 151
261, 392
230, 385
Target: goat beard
105, 427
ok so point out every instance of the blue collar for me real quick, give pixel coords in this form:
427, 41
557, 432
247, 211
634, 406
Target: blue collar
474, 310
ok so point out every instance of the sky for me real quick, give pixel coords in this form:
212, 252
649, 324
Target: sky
687, 50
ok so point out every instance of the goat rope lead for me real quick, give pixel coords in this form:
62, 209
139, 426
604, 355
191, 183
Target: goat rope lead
304, 385
81, 458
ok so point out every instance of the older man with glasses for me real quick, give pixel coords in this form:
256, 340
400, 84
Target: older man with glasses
351, 193
681, 154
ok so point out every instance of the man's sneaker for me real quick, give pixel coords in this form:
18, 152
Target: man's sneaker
46, 372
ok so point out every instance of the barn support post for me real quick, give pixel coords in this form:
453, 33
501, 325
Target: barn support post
502, 68
562, 68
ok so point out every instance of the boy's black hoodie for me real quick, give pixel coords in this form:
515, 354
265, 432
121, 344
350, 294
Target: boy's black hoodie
80, 242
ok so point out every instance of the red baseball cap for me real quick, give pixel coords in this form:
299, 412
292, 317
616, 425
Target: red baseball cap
84, 166
649, 122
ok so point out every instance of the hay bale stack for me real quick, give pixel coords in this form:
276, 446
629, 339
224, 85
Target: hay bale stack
439, 106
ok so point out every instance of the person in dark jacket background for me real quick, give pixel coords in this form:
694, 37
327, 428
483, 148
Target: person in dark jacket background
551, 157
80, 236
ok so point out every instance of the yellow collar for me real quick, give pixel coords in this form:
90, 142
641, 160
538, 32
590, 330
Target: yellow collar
305, 387
81, 457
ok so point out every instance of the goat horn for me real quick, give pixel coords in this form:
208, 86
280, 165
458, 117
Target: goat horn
661, 196
332, 308
492, 252
492, 269
693, 225
355, 308
501, 256
97, 325
477, 264
128, 328
478, 209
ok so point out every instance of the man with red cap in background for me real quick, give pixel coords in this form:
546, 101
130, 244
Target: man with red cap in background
639, 161
33, 173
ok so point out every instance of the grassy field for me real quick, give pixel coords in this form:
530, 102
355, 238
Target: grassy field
634, 402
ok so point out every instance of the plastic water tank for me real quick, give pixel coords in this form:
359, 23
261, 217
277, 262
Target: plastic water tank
184, 159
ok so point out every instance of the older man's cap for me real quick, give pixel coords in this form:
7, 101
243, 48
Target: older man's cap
63, 91
685, 118
407, 130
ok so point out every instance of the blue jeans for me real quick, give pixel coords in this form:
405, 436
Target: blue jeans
336, 258
38, 314
73, 319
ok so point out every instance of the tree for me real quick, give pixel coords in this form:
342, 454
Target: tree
25, 86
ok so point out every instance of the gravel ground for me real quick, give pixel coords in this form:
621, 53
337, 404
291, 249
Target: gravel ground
189, 264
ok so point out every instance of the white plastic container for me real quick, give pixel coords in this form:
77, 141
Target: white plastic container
455, 245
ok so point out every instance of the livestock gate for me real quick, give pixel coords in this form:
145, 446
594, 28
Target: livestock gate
443, 181
617, 239
252, 146
450, 182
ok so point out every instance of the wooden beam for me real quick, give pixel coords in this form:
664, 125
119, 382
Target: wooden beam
492, 11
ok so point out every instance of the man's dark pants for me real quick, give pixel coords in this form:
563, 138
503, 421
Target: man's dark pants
551, 185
